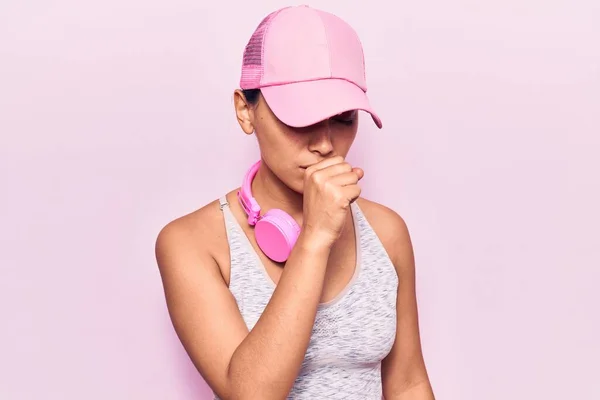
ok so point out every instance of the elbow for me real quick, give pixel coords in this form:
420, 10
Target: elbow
250, 388
247, 380
240, 393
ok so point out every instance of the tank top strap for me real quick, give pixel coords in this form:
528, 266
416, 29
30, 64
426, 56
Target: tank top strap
223, 202
238, 241
230, 222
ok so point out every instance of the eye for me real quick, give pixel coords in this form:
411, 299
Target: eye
346, 118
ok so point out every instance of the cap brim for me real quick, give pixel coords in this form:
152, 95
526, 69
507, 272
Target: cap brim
302, 104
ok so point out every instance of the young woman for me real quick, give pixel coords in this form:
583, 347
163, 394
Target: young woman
292, 285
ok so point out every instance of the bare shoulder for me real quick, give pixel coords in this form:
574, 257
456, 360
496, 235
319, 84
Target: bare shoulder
197, 235
387, 223
391, 229
188, 228
203, 310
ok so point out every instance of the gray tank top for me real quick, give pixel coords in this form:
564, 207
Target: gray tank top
352, 333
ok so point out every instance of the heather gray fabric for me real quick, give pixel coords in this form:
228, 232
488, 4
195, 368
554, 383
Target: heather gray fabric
352, 333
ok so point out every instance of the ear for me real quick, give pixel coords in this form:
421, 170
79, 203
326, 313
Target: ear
244, 112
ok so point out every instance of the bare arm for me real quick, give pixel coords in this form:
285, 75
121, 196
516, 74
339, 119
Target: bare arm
272, 354
264, 363
403, 372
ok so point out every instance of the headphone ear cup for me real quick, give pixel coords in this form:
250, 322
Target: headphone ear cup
276, 234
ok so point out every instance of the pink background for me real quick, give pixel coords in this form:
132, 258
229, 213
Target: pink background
116, 117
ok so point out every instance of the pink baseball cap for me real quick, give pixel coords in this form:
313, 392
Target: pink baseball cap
308, 64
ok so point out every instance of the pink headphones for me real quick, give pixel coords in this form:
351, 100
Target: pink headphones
276, 232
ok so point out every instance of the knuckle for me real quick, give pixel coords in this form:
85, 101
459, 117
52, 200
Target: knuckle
317, 177
338, 198
329, 187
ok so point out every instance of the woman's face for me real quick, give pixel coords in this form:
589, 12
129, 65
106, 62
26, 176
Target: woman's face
288, 151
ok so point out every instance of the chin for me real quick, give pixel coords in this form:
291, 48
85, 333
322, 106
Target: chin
292, 179
297, 186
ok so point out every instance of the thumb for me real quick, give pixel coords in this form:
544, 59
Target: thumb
359, 172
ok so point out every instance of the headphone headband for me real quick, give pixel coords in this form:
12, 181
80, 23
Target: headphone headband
276, 231
248, 202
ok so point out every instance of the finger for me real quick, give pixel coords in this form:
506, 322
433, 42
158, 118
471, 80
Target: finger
345, 179
310, 171
351, 192
360, 172
327, 173
325, 163
336, 169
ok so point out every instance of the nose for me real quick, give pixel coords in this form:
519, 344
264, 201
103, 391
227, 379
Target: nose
320, 141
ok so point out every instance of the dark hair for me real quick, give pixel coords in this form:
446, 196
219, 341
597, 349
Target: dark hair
251, 95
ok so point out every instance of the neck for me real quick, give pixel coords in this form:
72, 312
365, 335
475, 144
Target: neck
270, 192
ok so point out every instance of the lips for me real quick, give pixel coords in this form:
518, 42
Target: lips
309, 165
